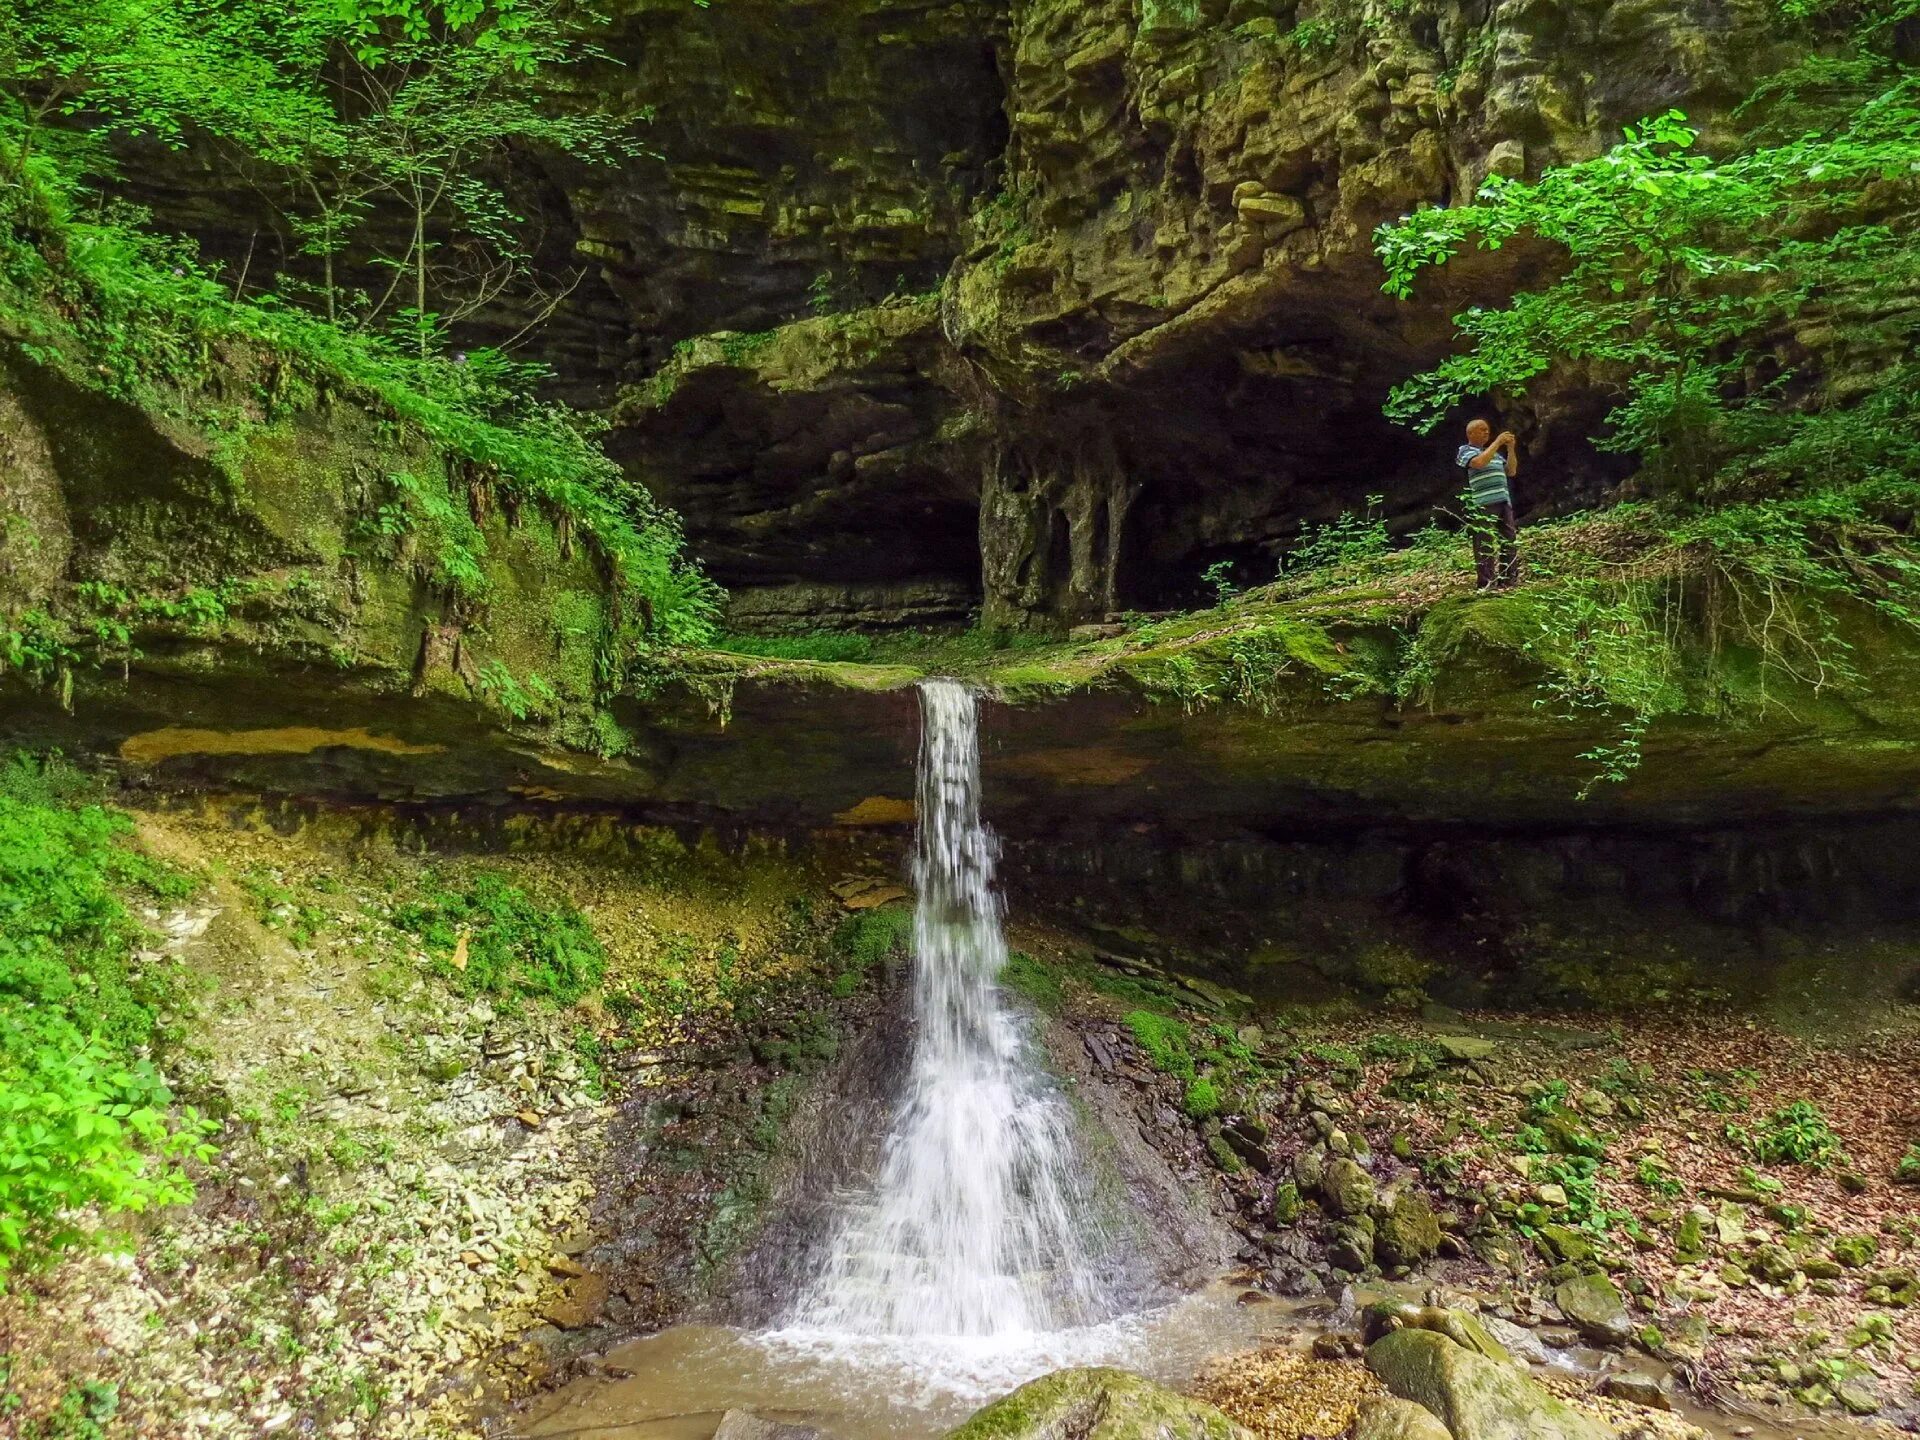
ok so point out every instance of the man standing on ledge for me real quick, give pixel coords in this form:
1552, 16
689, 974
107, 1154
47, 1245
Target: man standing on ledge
1490, 462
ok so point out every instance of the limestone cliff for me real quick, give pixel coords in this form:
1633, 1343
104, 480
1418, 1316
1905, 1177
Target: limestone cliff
1132, 322
1163, 334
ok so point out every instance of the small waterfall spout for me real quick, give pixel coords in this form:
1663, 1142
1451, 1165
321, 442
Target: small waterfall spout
975, 1226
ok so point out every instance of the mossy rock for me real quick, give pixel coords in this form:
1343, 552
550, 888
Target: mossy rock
1476, 1398
1566, 1244
1596, 1308
1397, 1419
1098, 1404
1347, 1189
1408, 1232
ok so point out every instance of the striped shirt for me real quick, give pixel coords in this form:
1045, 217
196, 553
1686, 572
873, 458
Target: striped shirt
1488, 484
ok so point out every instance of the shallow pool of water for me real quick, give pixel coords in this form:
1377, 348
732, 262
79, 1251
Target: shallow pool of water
681, 1381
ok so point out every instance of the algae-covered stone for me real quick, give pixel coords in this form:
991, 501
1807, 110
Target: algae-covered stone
1346, 1188
1595, 1307
1408, 1232
1567, 1244
1466, 1048
1690, 1237
1773, 1263
1476, 1398
1097, 1404
1351, 1244
1462, 1327
1858, 1391
1854, 1251
1286, 1204
1397, 1419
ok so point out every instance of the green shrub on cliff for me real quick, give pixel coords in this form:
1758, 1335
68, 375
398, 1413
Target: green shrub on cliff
1688, 276
437, 91
85, 1119
1747, 310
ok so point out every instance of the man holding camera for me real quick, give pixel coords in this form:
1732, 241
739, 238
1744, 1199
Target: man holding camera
1490, 462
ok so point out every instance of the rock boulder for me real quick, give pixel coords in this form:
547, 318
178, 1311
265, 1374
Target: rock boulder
1476, 1398
1098, 1404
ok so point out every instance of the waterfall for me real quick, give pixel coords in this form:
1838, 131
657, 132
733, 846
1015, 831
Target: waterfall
976, 1226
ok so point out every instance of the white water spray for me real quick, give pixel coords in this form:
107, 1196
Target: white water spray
975, 1227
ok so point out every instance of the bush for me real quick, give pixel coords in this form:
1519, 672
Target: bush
515, 945
1796, 1134
85, 1120
1351, 539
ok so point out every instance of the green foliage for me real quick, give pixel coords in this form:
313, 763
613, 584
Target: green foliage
84, 1413
1795, 1134
1578, 1175
1202, 1099
341, 112
284, 908
1685, 273
1219, 577
1351, 540
1668, 609
1005, 221
1653, 1173
1316, 37
1040, 983
516, 945
85, 1119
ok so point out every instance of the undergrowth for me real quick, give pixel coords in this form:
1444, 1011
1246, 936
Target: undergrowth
88, 290
490, 936
1643, 610
85, 1118
866, 941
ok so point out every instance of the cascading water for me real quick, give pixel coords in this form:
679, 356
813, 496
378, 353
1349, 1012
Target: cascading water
977, 1259
976, 1227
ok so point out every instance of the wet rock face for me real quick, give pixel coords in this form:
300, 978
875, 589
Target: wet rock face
822, 473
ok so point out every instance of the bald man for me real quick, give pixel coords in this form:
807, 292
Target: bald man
1490, 462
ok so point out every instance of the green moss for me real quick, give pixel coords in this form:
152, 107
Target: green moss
867, 939
1202, 1099
1166, 1041
1032, 978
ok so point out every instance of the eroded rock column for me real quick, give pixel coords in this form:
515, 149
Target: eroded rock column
1052, 521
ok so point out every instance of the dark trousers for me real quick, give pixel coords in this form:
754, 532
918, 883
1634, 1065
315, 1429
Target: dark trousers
1496, 543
